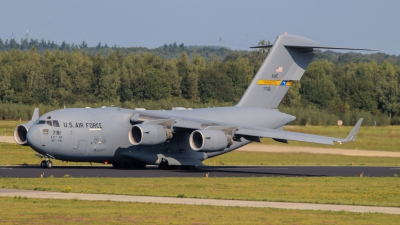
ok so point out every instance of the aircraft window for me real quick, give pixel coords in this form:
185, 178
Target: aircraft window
48, 122
41, 122
55, 123
45, 131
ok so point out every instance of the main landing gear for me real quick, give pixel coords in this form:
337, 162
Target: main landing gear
46, 163
162, 164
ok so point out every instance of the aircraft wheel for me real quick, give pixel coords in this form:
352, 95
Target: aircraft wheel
163, 165
49, 164
43, 164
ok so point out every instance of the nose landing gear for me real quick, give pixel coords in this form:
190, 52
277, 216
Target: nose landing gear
46, 163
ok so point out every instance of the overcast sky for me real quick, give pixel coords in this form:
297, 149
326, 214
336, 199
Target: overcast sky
241, 24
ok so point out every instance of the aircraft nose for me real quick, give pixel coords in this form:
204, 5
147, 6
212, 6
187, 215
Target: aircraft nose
33, 137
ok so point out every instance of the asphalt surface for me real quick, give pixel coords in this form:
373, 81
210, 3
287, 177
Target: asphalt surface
197, 201
217, 171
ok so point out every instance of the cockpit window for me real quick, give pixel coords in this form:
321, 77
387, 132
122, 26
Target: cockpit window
55, 123
41, 122
48, 122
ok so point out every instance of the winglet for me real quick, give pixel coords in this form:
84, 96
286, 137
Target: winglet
353, 133
35, 115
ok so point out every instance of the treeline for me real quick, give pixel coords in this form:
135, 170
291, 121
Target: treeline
329, 90
64, 78
166, 51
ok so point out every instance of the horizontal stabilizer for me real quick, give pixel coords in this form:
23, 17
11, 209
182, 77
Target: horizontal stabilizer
318, 47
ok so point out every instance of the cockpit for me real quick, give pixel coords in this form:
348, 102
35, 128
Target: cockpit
53, 123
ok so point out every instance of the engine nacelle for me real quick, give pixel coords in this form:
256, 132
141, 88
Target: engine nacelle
20, 133
209, 140
148, 134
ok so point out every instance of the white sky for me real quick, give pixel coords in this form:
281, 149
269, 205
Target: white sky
355, 23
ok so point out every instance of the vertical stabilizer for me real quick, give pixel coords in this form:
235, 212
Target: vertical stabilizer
285, 63
35, 115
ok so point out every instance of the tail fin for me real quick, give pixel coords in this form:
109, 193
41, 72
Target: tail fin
35, 115
286, 62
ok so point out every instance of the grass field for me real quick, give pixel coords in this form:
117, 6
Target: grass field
14, 154
24, 155
7, 127
48, 211
325, 190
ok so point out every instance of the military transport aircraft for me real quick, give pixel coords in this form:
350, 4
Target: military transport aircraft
134, 138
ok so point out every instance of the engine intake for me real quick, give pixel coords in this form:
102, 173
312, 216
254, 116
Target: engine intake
147, 134
20, 134
209, 140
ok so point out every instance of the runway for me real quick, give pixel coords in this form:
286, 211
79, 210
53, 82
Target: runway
211, 171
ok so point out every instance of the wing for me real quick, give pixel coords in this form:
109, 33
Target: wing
207, 129
286, 135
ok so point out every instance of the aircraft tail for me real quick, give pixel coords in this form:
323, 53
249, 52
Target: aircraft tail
286, 62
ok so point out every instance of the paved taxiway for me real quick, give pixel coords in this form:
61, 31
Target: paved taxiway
195, 201
212, 171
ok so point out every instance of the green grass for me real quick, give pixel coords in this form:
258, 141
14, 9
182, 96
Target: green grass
7, 127
14, 154
50, 211
324, 190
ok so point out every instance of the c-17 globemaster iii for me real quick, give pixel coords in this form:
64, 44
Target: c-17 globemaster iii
134, 138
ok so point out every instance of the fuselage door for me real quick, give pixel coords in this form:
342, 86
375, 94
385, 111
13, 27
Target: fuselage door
81, 147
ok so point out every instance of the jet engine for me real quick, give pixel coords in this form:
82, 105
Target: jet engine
209, 140
22, 129
20, 133
148, 134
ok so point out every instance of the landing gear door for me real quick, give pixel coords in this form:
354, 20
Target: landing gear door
81, 147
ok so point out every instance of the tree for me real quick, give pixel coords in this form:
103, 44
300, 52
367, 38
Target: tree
172, 72
153, 85
83, 45
387, 88
316, 85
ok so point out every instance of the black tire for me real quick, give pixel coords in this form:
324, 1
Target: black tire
43, 164
49, 164
163, 165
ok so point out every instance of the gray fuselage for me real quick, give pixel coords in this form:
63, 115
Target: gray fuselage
102, 134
